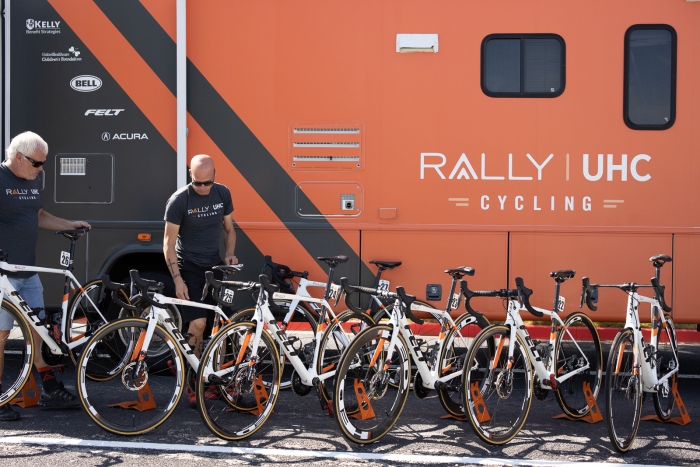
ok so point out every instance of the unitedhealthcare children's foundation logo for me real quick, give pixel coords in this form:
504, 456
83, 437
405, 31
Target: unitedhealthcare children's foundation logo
72, 55
528, 168
35, 26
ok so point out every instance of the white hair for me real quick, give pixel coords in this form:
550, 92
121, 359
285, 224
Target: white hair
26, 143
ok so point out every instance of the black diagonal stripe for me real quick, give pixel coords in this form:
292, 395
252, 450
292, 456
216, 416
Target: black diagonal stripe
146, 36
230, 133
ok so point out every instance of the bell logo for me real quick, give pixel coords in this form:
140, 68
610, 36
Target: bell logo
86, 83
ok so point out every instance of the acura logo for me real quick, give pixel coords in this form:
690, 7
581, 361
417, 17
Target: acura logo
105, 136
86, 83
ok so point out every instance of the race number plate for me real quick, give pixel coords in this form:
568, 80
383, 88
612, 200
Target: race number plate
65, 259
560, 304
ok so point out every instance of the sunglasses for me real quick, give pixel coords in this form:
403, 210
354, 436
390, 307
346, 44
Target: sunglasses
207, 183
34, 163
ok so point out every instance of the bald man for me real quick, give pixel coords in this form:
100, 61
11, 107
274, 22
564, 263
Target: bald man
194, 217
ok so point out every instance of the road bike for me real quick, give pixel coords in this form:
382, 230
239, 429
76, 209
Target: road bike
143, 359
498, 376
374, 372
63, 333
636, 367
242, 359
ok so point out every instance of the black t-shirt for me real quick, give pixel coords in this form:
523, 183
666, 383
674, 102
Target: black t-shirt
20, 201
200, 219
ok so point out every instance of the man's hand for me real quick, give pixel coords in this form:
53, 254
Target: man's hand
181, 288
231, 259
80, 225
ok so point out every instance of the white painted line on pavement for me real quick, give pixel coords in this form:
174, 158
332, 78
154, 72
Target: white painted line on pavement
407, 458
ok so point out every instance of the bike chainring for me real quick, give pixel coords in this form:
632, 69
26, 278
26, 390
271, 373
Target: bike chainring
418, 388
540, 392
299, 388
50, 358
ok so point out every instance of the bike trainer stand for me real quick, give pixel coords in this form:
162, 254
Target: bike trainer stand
30, 394
144, 403
261, 396
684, 419
365, 411
594, 415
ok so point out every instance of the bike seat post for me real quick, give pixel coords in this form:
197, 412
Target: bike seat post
72, 252
328, 283
452, 292
378, 277
556, 295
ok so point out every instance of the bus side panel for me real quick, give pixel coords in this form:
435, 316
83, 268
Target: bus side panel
608, 258
426, 255
685, 269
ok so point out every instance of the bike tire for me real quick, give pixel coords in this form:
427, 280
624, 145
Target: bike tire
226, 407
454, 353
578, 339
110, 403
623, 392
336, 337
83, 320
666, 360
497, 400
363, 381
16, 349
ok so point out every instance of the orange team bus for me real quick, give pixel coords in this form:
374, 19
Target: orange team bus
514, 137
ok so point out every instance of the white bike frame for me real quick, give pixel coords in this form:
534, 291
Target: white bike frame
7, 290
399, 322
650, 381
264, 317
517, 326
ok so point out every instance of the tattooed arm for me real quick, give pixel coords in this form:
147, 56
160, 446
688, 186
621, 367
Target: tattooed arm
171, 231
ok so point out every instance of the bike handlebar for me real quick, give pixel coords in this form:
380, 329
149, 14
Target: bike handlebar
145, 285
521, 292
589, 294
659, 289
114, 288
400, 294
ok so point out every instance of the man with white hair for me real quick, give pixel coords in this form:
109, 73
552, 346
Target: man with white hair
194, 217
21, 216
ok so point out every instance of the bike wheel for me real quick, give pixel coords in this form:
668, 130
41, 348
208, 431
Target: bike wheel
16, 350
300, 330
451, 362
244, 384
336, 338
143, 397
365, 404
83, 318
576, 346
497, 395
623, 384
666, 361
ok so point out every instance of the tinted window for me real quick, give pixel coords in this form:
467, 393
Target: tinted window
650, 77
530, 65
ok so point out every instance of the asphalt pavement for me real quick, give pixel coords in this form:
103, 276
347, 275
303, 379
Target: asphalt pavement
299, 434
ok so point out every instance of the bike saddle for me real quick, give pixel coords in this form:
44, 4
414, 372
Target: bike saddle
386, 264
564, 274
333, 261
460, 272
72, 234
228, 268
659, 260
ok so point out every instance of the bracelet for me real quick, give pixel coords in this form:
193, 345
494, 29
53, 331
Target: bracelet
176, 276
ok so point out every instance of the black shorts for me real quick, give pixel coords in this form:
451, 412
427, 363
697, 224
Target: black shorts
193, 275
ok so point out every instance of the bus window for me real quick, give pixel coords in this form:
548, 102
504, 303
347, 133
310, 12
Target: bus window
650, 77
523, 65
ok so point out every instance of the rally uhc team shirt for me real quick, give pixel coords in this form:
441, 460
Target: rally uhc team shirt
20, 201
200, 219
